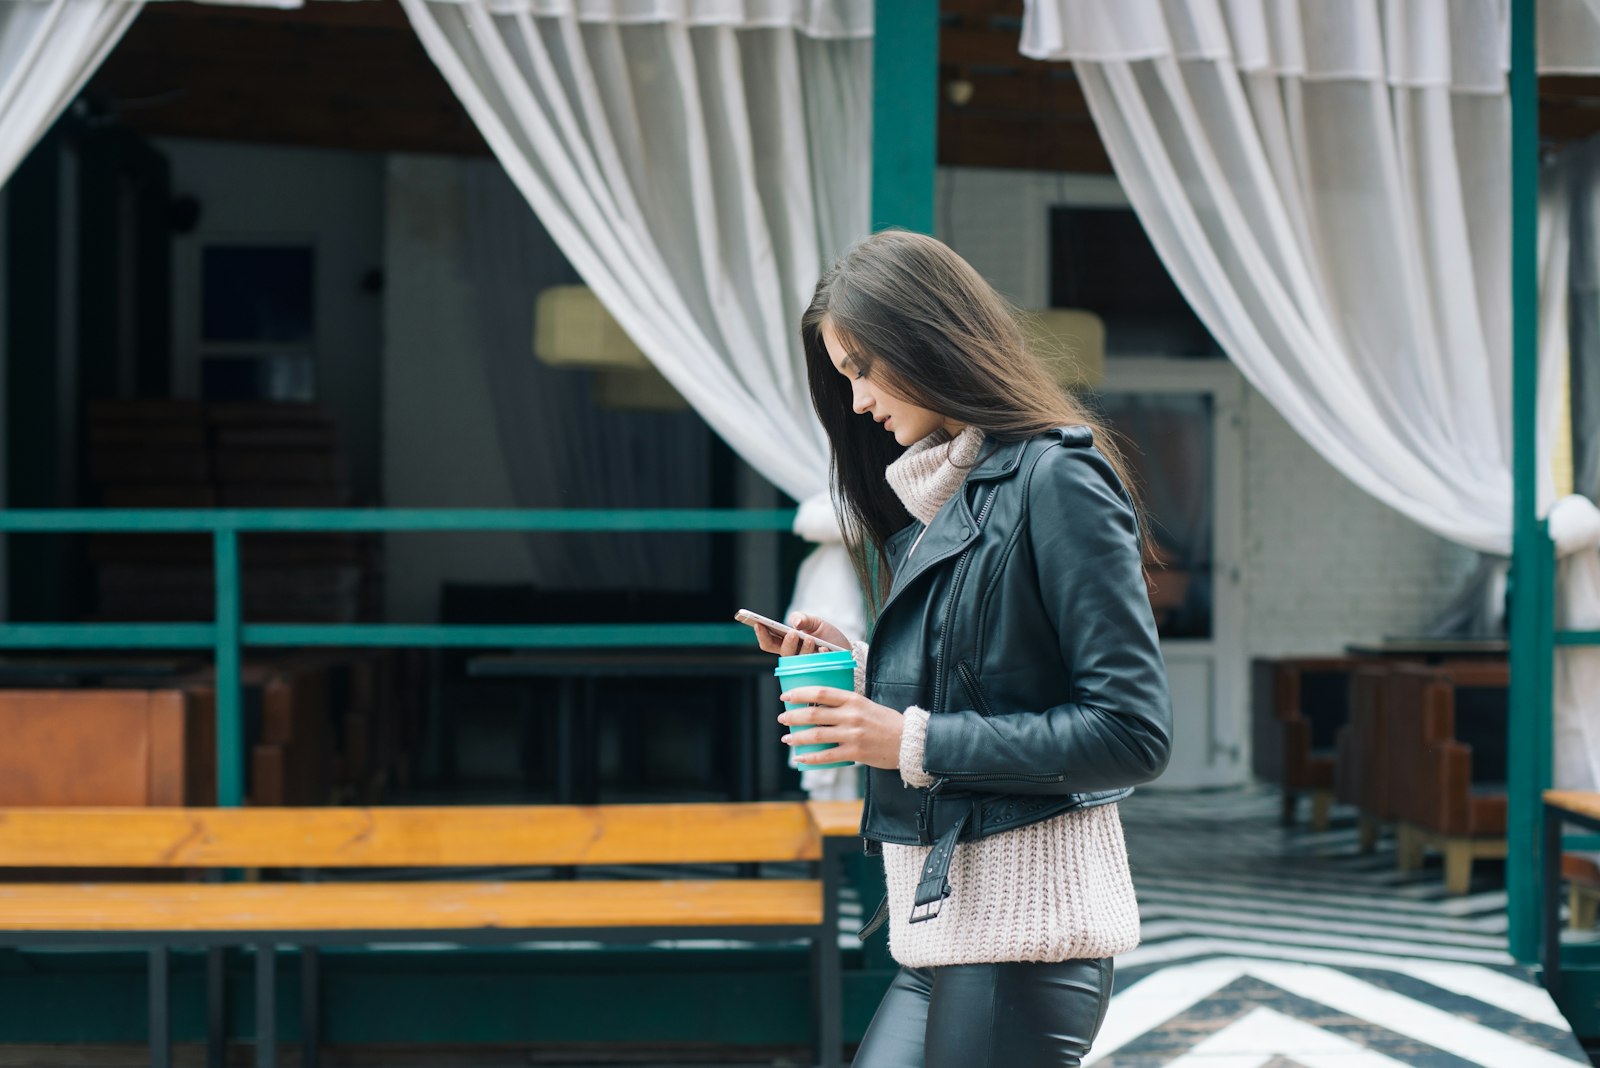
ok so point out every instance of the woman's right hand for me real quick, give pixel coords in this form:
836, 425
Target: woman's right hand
773, 641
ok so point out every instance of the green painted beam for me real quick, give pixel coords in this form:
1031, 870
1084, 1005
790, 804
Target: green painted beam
905, 113
580, 520
107, 635
533, 636
1532, 570
1578, 637
455, 635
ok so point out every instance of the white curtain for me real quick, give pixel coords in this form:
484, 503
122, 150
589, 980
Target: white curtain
1327, 183
1575, 530
561, 449
48, 49
700, 162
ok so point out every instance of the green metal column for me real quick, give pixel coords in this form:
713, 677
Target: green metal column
1531, 623
905, 113
230, 696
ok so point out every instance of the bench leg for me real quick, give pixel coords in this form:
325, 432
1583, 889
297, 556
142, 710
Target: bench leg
160, 1017
827, 995
216, 1007
310, 1009
1550, 891
1291, 802
266, 1005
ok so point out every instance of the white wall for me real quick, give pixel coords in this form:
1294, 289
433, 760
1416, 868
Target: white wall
331, 200
1322, 562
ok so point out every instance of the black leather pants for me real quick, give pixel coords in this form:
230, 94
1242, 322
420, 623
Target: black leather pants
989, 1016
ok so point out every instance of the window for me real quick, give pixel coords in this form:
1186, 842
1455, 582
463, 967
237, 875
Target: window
1101, 261
257, 323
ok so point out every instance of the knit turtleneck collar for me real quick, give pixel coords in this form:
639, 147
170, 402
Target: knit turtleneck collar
929, 472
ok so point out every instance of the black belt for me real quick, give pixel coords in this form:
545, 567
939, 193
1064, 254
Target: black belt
932, 888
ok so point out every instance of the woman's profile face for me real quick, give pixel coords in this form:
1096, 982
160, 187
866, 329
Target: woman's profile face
906, 421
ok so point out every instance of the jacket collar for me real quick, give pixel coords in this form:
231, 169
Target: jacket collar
954, 527
1006, 456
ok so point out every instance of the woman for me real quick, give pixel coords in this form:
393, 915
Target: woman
1014, 690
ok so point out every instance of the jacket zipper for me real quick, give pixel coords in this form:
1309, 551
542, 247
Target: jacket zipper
923, 813
942, 781
973, 691
950, 604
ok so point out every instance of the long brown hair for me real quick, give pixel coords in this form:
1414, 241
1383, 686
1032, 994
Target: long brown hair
915, 314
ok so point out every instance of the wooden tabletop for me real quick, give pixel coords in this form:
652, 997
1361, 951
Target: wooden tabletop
1430, 647
836, 819
1578, 802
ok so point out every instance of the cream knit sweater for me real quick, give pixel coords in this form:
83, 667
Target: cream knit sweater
1054, 890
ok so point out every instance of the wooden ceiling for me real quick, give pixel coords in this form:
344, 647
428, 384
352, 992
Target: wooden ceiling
329, 75
353, 75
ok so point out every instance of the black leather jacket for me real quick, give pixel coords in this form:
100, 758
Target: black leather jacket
1021, 623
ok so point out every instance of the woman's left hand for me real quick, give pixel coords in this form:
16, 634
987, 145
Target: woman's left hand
866, 732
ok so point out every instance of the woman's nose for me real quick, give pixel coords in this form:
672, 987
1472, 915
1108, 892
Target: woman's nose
860, 401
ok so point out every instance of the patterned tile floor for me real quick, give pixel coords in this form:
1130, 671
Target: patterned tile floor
1270, 948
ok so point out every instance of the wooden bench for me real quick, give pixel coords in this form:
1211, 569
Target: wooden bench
308, 913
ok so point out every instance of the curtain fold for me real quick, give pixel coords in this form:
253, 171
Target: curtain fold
48, 50
1582, 165
1326, 183
561, 450
699, 164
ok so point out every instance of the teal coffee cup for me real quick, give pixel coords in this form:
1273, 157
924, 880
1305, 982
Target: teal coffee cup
816, 669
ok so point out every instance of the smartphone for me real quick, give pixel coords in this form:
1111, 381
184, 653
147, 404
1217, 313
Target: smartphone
751, 619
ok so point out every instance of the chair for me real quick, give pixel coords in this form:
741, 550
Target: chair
1361, 767
1447, 764
1300, 704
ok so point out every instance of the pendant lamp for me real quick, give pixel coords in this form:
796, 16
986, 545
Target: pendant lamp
1072, 343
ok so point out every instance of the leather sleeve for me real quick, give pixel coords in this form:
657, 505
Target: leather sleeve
1114, 728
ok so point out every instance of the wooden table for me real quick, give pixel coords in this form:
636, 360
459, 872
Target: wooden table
578, 674
1432, 650
1560, 807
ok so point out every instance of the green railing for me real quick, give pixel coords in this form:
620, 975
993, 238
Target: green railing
227, 635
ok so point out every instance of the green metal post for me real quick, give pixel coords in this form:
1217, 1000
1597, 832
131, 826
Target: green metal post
230, 696
905, 113
1531, 623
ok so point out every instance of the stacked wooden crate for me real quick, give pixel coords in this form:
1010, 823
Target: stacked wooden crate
191, 454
